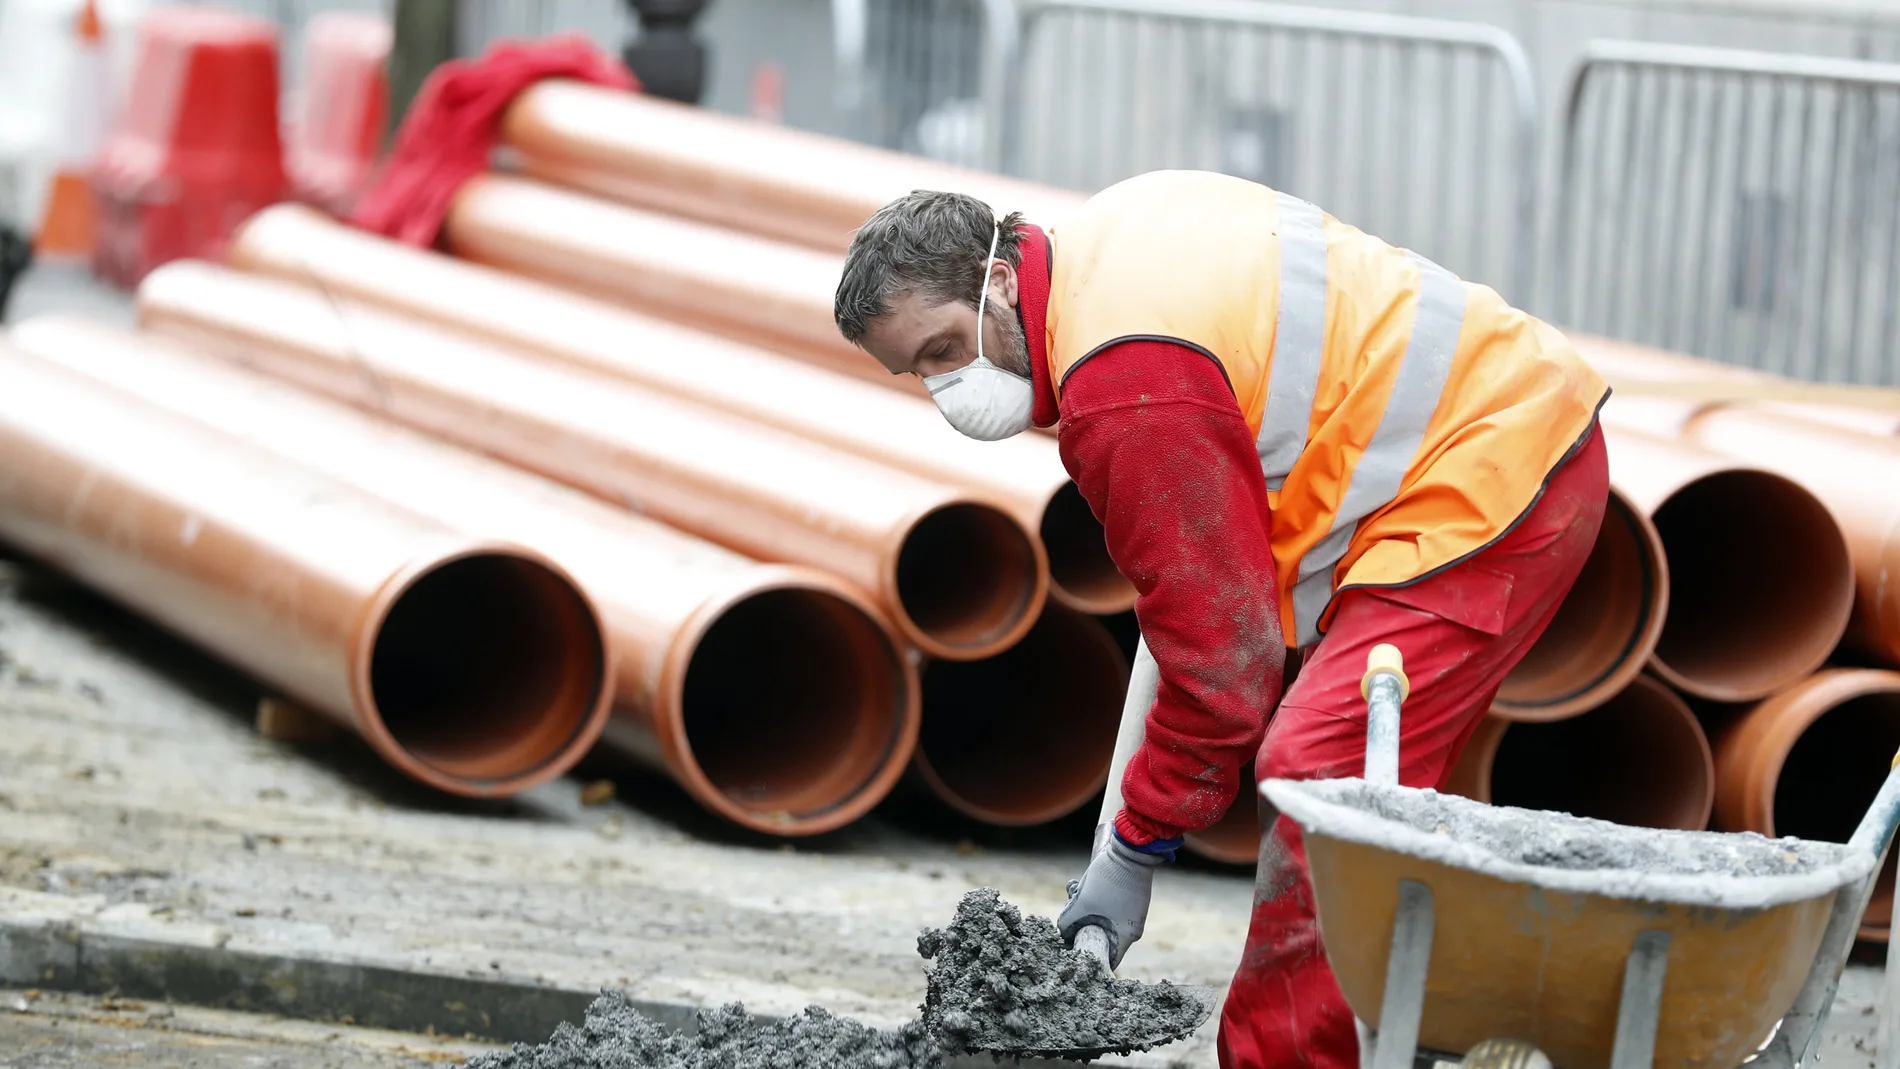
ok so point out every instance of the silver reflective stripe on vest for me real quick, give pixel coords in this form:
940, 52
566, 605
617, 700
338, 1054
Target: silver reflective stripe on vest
1375, 480
1298, 339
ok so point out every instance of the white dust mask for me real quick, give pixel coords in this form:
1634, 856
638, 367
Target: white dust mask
980, 399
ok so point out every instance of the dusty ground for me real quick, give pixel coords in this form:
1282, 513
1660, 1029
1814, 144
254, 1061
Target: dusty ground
51, 1030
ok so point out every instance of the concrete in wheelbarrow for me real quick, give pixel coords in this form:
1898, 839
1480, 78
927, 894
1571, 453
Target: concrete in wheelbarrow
153, 846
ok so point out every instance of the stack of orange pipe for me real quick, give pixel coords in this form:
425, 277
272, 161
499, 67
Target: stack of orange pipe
956, 574
722, 662
1025, 474
535, 413
966, 592
469, 663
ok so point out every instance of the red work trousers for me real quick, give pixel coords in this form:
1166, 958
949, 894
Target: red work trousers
1460, 632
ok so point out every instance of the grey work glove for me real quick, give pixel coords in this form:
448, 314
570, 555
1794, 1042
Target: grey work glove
1113, 895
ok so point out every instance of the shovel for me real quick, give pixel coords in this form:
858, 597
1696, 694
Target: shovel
1093, 941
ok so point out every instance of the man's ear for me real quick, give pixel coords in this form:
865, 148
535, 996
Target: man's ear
1008, 279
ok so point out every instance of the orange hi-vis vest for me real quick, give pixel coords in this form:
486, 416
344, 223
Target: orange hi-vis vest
1405, 418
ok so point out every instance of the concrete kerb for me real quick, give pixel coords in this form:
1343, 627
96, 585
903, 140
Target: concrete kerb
85, 946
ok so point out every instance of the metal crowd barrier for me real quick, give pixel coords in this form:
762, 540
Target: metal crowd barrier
910, 74
1423, 131
479, 23
1739, 205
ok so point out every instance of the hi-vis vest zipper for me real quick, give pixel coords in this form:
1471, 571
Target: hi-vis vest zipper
1405, 418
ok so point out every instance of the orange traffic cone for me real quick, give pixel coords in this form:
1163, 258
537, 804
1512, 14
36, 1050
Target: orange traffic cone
71, 220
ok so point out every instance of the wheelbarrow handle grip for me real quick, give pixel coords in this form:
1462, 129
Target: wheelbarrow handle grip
1384, 688
1385, 657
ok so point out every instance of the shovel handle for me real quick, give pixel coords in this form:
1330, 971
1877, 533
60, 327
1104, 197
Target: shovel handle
1093, 941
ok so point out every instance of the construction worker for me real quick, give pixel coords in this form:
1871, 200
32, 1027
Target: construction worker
1297, 438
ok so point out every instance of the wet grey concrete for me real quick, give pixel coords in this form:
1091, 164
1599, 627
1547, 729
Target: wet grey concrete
615, 1034
1002, 981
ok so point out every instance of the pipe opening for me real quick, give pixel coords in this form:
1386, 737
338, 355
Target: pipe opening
1025, 737
488, 667
1760, 585
966, 577
794, 706
1235, 838
1081, 573
1602, 633
1831, 775
1639, 759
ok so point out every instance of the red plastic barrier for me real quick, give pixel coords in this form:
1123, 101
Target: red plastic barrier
196, 151
339, 132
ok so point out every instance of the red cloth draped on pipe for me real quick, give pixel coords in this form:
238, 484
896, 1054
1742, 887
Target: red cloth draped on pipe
452, 128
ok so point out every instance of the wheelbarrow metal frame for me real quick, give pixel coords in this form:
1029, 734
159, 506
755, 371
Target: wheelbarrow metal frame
1393, 1044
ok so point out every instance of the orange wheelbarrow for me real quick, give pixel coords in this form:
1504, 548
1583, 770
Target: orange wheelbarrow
1454, 925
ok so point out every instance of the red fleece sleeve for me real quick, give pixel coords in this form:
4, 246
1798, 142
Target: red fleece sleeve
1152, 437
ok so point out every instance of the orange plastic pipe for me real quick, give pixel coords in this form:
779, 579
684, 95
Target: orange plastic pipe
1809, 760
770, 179
770, 293
1025, 472
1606, 629
1856, 475
1637, 363
470, 664
1025, 737
1848, 471
1639, 758
772, 693
958, 575
1760, 581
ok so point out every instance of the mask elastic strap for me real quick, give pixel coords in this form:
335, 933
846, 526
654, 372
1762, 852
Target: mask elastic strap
983, 295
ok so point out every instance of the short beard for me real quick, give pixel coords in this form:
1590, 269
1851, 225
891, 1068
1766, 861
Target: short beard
1013, 354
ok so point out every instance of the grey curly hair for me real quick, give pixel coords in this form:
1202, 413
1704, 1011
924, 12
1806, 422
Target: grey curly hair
929, 242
